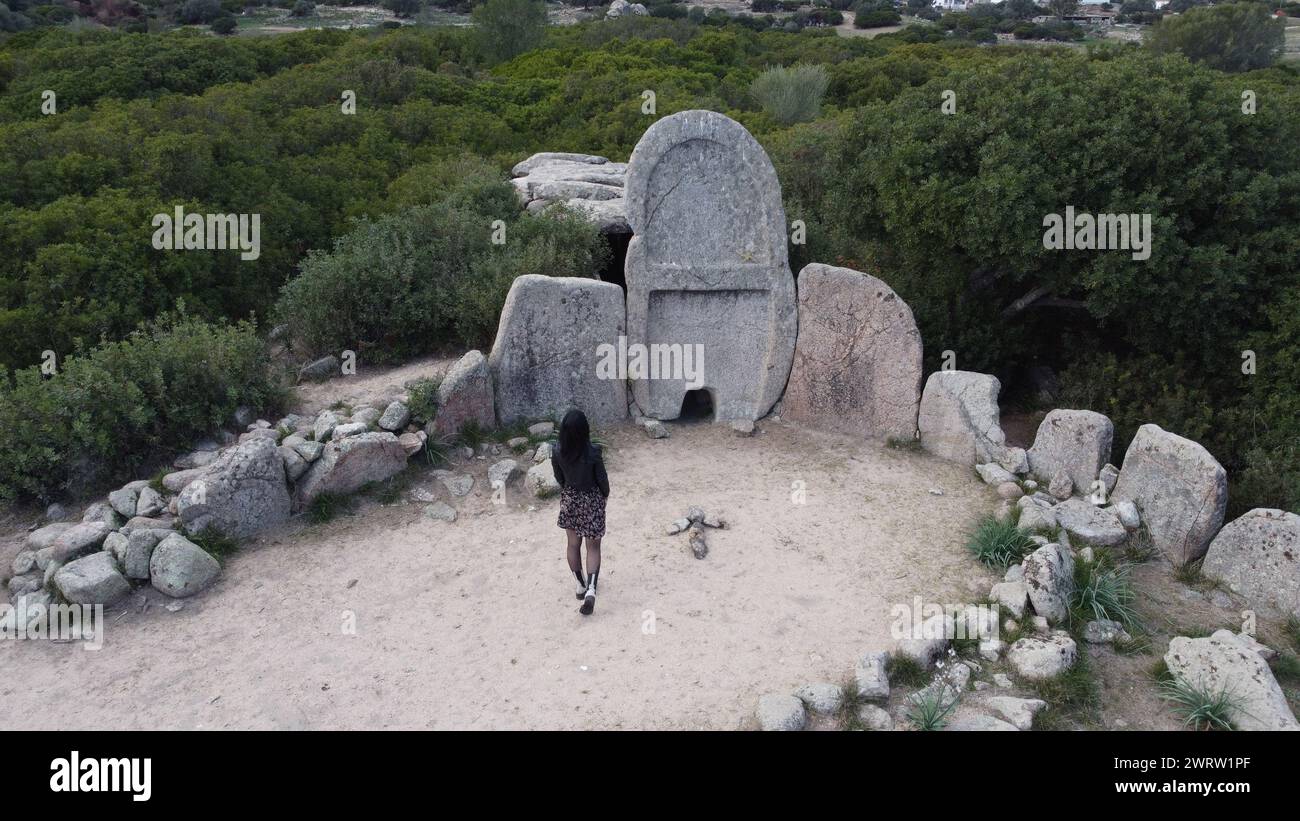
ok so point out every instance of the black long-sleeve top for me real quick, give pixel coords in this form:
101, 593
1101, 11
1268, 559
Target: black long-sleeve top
583, 473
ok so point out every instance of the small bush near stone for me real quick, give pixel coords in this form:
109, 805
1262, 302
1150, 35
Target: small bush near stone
1072, 696
999, 544
432, 275
472, 435
1103, 591
422, 400
1160, 672
217, 544
1292, 630
851, 699
1201, 708
1286, 667
110, 408
326, 507
906, 671
1139, 548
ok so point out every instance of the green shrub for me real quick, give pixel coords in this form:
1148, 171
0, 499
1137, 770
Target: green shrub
422, 400
110, 408
791, 95
999, 544
429, 276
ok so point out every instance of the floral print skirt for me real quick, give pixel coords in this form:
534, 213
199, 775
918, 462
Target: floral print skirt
583, 511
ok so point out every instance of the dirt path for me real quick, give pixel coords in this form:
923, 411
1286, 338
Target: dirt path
473, 624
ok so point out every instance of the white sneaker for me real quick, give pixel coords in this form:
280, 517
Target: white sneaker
582, 590
588, 601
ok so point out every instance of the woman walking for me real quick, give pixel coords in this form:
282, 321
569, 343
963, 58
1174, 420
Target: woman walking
580, 470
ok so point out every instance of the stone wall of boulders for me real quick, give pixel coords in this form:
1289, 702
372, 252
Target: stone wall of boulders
231, 487
151, 533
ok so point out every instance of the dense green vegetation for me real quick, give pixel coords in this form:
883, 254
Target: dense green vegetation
108, 411
947, 208
429, 274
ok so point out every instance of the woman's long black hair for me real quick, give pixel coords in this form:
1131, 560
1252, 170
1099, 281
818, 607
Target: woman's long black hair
575, 436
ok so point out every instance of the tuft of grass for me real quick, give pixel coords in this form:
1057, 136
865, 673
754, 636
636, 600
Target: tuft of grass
1286, 667
327, 506
1192, 575
999, 544
1160, 672
1103, 591
905, 671
1200, 707
217, 544
438, 451
1139, 548
389, 491
912, 445
1024, 627
851, 700
1074, 695
1292, 631
472, 435
929, 710
966, 646
1134, 646
156, 482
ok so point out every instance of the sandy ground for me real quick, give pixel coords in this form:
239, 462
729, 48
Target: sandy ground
373, 386
474, 625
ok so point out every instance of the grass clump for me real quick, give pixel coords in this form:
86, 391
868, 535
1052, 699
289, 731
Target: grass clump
1139, 548
851, 700
1200, 707
471, 434
1286, 667
905, 671
327, 506
999, 544
898, 443
1292, 631
1074, 695
1103, 591
218, 545
1160, 672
